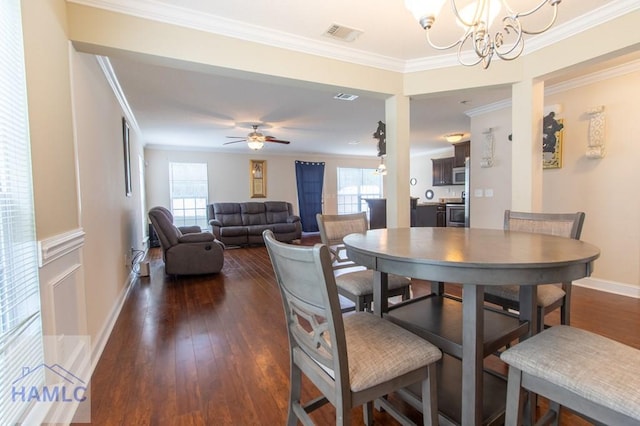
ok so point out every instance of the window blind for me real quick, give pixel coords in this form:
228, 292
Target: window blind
20, 322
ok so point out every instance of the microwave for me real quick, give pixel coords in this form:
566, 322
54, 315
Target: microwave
459, 175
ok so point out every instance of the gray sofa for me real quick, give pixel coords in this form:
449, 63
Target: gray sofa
243, 223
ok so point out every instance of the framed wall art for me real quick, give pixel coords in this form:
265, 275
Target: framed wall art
127, 157
258, 178
552, 130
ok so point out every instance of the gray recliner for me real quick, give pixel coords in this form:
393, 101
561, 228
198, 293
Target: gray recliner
186, 250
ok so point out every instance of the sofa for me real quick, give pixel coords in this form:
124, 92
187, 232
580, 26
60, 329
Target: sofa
186, 250
241, 224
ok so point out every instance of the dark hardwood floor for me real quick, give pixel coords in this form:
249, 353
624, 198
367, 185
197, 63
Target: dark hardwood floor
213, 350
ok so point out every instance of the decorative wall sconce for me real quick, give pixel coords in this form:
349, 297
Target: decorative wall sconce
487, 149
595, 149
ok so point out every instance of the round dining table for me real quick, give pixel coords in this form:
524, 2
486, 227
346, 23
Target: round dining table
474, 258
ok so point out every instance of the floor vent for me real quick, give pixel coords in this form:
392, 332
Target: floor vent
342, 33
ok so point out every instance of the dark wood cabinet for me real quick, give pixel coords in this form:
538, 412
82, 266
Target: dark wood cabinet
442, 171
441, 215
461, 151
426, 215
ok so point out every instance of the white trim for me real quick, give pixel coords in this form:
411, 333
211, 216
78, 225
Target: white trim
187, 18
57, 246
103, 336
595, 77
112, 79
621, 289
604, 13
606, 74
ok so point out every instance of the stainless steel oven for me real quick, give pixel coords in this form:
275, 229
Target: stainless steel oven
455, 215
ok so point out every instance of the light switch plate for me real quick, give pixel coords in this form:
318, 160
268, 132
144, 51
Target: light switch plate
488, 192
477, 193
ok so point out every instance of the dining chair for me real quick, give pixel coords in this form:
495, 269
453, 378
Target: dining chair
353, 359
354, 282
550, 296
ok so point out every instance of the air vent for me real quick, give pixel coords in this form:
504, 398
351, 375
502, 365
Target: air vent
345, 97
342, 33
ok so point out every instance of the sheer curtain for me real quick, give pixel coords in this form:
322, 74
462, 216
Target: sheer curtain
21, 338
309, 179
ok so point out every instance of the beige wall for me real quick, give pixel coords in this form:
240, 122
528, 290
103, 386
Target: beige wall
110, 219
50, 122
229, 175
488, 211
605, 189
83, 192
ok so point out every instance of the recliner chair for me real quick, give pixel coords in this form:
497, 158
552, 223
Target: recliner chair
186, 250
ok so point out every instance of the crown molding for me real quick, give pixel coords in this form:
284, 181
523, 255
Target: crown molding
112, 79
169, 14
609, 73
175, 15
605, 13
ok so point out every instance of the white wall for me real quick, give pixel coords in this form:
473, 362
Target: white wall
229, 175
605, 189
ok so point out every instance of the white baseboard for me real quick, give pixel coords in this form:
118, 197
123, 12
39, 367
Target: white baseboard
104, 334
622, 289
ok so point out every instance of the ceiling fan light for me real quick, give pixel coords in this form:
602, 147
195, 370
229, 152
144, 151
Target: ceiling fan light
255, 144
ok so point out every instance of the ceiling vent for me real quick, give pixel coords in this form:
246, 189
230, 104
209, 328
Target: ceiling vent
342, 33
345, 97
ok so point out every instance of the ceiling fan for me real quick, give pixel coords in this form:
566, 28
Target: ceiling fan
255, 140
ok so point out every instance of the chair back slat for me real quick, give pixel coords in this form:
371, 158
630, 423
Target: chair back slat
559, 224
310, 300
333, 228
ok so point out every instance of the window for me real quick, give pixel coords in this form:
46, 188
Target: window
189, 188
21, 340
354, 186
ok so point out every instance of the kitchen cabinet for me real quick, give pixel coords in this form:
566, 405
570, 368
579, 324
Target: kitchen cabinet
441, 215
461, 151
442, 171
378, 212
426, 215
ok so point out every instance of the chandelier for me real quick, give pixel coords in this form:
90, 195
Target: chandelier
382, 168
476, 19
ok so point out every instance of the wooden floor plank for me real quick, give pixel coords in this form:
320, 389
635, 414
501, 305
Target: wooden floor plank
213, 349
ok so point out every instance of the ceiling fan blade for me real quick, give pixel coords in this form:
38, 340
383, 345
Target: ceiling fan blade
272, 139
236, 137
229, 143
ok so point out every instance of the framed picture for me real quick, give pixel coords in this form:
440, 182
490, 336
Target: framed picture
552, 130
127, 157
258, 178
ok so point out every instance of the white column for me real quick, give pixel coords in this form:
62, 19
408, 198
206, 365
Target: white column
397, 179
526, 157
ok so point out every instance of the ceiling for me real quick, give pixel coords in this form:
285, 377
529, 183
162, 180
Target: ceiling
188, 109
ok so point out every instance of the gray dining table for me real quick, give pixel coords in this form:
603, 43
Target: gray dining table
474, 258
